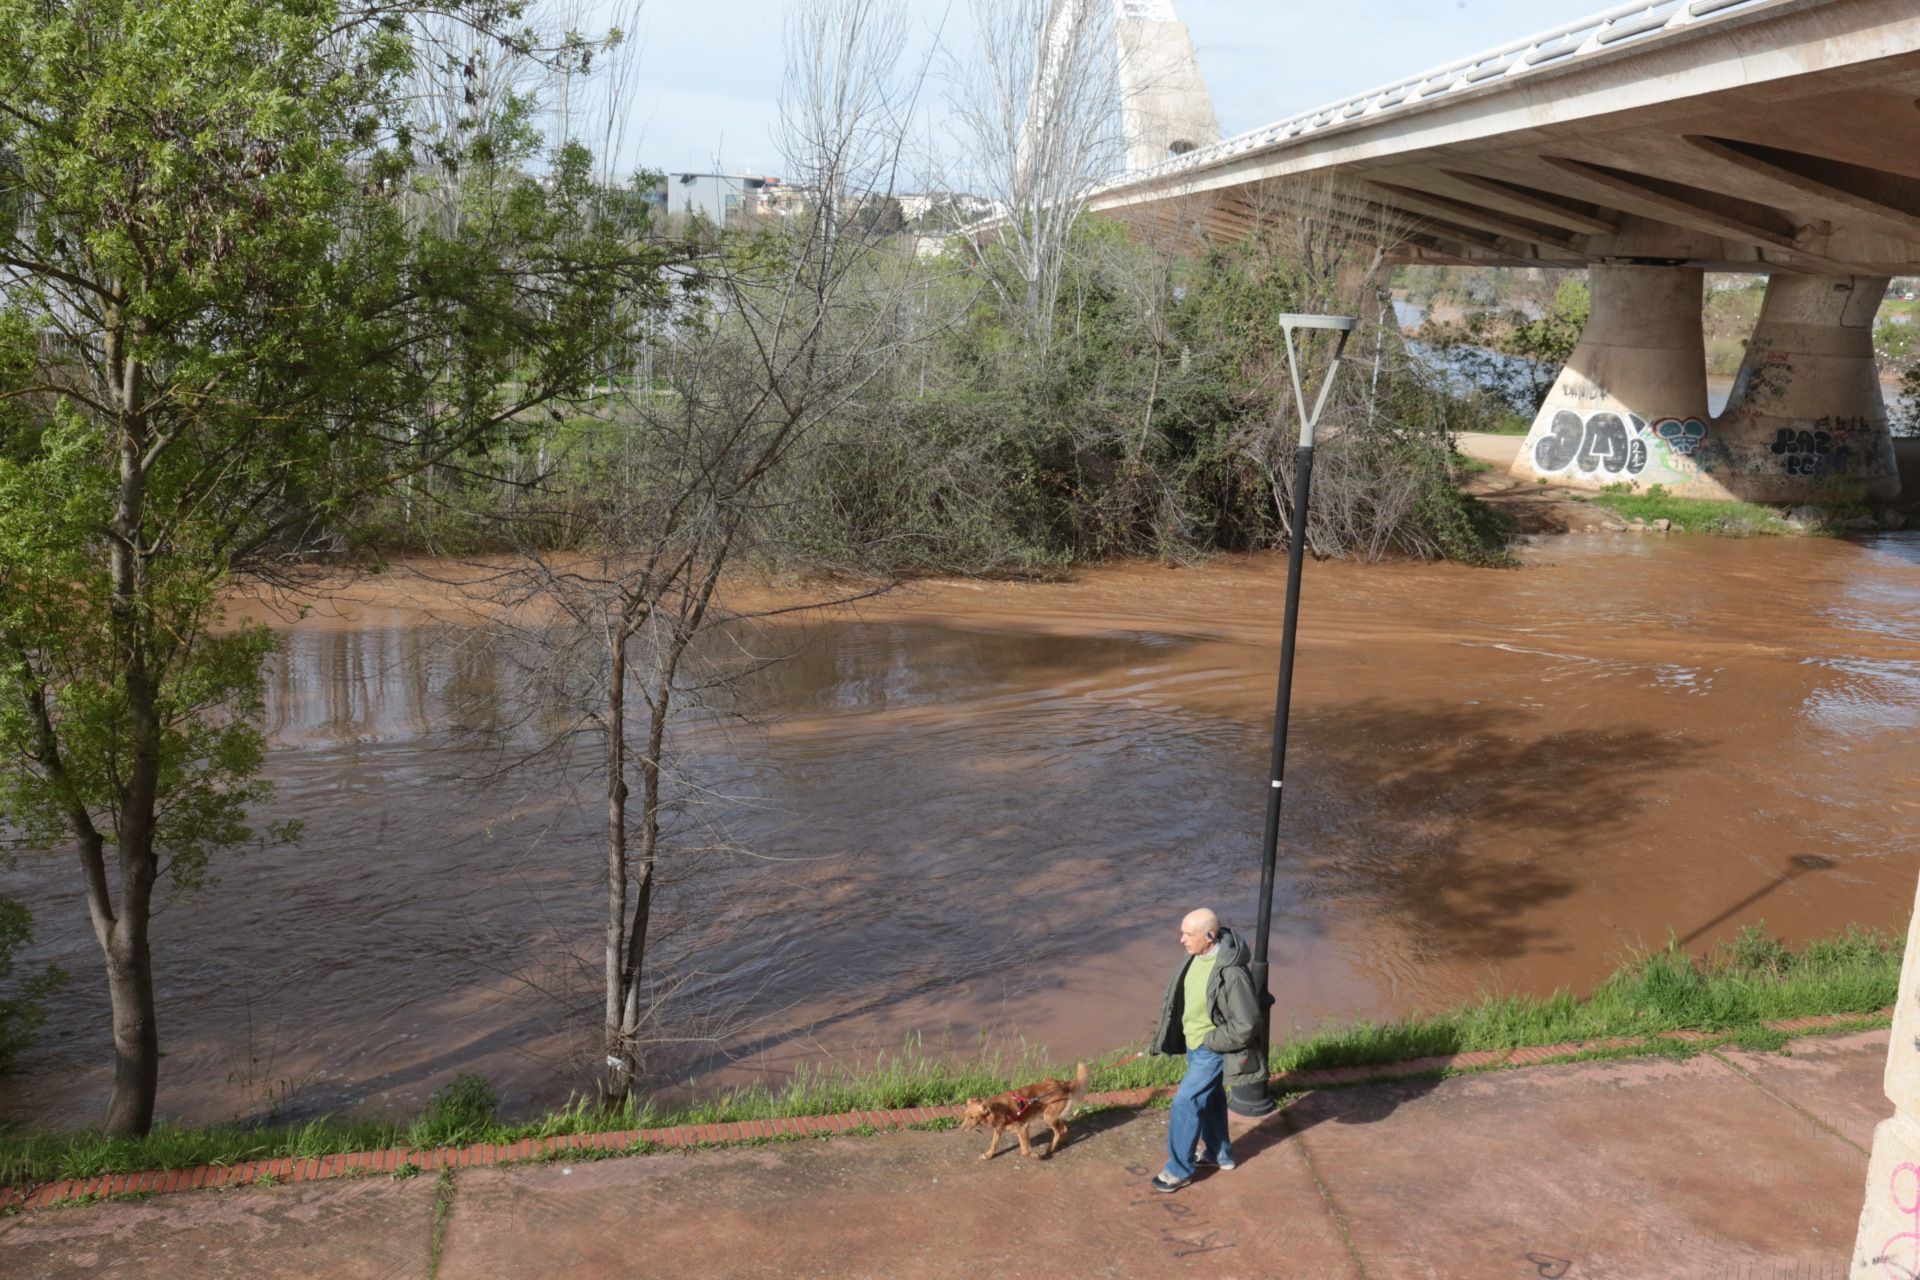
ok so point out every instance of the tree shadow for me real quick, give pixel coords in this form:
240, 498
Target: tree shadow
1422, 810
1458, 825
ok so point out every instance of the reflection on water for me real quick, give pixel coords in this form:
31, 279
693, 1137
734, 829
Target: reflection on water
977, 812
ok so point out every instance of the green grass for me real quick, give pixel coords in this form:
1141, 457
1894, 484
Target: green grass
442, 1206
1745, 983
1741, 985
1694, 515
1507, 423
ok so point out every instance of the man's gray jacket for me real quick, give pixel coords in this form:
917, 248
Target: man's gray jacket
1231, 1007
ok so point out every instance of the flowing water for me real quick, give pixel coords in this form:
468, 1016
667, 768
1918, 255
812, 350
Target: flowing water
976, 812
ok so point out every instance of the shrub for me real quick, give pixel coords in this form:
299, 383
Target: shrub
22, 1003
462, 1110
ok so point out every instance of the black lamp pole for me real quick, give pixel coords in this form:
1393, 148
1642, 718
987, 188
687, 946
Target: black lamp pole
1252, 1099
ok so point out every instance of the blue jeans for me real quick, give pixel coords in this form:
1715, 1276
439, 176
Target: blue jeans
1199, 1114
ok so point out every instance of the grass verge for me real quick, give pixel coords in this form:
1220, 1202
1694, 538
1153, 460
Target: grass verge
442, 1206
1693, 515
1732, 992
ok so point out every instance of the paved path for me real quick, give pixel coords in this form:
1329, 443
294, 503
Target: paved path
1728, 1164
1499, 450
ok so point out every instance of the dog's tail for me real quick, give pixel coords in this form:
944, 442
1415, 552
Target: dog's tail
1078, 1089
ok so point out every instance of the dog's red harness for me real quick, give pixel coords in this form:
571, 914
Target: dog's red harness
1023, 1107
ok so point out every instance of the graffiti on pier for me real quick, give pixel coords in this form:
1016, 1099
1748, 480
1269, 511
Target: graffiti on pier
1803, 451
1605, 443
1681, 436
1614, 445
1764, 375
1572, 387
1905, 1245
1819, 448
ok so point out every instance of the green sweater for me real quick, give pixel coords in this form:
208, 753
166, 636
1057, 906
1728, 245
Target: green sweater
1231, 1007
1194, 1020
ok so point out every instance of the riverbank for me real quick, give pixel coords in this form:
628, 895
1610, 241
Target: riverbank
1728, 1163
1752, 992
1505, 780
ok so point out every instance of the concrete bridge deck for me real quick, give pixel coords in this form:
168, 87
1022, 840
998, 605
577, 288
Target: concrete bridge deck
1648, 143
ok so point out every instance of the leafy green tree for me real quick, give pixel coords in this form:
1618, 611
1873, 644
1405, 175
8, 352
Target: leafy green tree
1549, 340
21, 1003
233, 309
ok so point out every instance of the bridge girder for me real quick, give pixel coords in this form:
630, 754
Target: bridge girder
1767, 135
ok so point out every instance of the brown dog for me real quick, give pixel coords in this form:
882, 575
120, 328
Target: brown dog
1052, 1099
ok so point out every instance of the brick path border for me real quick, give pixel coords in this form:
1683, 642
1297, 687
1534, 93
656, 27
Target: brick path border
347, 1164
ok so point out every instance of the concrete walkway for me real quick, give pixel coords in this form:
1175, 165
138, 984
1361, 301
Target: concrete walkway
1729, 1164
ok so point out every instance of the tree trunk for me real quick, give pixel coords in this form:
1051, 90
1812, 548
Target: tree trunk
636, 956
136, 1034
620, 1062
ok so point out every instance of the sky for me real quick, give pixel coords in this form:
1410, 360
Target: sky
709, 70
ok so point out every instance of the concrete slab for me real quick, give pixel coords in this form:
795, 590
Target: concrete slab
1596, 1170
362, 1229
1750, 1167
1831, 1078
912, 1205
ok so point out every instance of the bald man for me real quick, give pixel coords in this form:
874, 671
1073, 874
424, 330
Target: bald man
1210, 1015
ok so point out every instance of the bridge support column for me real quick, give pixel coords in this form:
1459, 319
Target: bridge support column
1806, 421
1634, 393
1888, 1240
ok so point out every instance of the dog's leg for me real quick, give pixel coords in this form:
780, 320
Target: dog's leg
993, 1144
1059, 1128
1026, 1147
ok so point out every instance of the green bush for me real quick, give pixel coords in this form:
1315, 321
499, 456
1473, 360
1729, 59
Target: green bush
1154, 420
22, 1001
462, 1110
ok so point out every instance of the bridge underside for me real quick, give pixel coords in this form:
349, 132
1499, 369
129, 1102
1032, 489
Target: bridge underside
1788, 144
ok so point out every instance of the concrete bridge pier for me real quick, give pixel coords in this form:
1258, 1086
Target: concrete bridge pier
1806, 420
1805, 423
1633, 396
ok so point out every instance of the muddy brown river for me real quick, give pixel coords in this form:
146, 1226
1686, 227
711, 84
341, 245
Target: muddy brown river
976, 811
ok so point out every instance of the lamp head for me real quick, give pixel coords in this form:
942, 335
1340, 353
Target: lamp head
1341, 325
1300, 320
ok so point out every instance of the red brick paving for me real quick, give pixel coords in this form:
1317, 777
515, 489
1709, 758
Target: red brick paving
333, 1166
1727, 1164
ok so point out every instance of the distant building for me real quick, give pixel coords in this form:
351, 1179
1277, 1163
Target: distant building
722, 198
937, 211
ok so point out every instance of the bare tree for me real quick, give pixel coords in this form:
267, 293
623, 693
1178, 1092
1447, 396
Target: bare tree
628, 630
1385, 444
1038, 105
472, 83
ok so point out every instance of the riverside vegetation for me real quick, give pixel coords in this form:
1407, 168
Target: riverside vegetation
1730, 995
1155, 421
354, 291
358, 288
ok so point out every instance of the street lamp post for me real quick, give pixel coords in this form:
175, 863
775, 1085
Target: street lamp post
1250, 1099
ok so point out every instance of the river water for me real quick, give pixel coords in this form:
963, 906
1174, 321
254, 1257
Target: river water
976, 812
